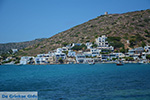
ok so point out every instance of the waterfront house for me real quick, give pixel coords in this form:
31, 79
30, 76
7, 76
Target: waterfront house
44, 60
138, 50
110, 56
87, 60
25, 59
104, 57
95, 52
80, 58
119, 55
59, 55
70, 61
92, 53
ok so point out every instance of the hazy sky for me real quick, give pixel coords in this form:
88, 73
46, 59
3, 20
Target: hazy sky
23, 20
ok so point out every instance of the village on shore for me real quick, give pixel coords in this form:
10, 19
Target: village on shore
80, 53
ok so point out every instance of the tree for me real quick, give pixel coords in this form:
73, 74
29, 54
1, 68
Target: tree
64, 43
115, 42
114, 59
94, 45
105, 51
147, 56
66, 52
123, 50
76, 47
61, 60
31, 61
10, 51
82, 47
4, 55
143, 44
129, 58
132, 42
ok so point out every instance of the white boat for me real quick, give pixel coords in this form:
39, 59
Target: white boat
119, 63
91, 62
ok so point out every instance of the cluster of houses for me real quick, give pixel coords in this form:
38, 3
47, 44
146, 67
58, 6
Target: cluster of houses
97, 54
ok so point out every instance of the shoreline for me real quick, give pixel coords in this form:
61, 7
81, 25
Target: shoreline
76, 63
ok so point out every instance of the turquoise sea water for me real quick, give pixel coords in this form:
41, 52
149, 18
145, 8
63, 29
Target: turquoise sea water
79, 81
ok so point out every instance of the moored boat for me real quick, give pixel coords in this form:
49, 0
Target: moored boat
119, 63
91, 62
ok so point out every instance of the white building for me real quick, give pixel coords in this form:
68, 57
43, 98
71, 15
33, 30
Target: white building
147, 48
44, 58
138, 50
60, 55
25, 60
92, 53
80, 58
120, 55
14, 50
71, 53
89, 45
64, 48
76, 44
43, 55
101, 41
59, 50
103, 44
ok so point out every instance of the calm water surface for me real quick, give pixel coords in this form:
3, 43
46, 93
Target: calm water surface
79, 81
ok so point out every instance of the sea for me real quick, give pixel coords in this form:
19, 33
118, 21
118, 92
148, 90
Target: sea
79, 81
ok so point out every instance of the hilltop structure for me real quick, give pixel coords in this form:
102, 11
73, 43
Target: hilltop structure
106, 13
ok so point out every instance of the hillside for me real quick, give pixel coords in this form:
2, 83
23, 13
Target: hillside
132, 26
20, 45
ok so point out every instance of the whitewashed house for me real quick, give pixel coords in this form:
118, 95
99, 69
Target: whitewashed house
120, 55
147, 48
25, 60
64, 48
14, 50
44, 58
59, 50
71, 53
138, 50
92, 53
89, 45
80, 58
103, 44
59, 55
74, 44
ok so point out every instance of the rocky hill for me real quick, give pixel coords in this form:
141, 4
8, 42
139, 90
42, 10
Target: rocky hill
119, 28
20, 45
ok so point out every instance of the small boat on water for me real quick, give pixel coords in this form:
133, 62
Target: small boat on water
119, 63
91, 62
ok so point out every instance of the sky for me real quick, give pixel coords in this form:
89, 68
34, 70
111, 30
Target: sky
25, 20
